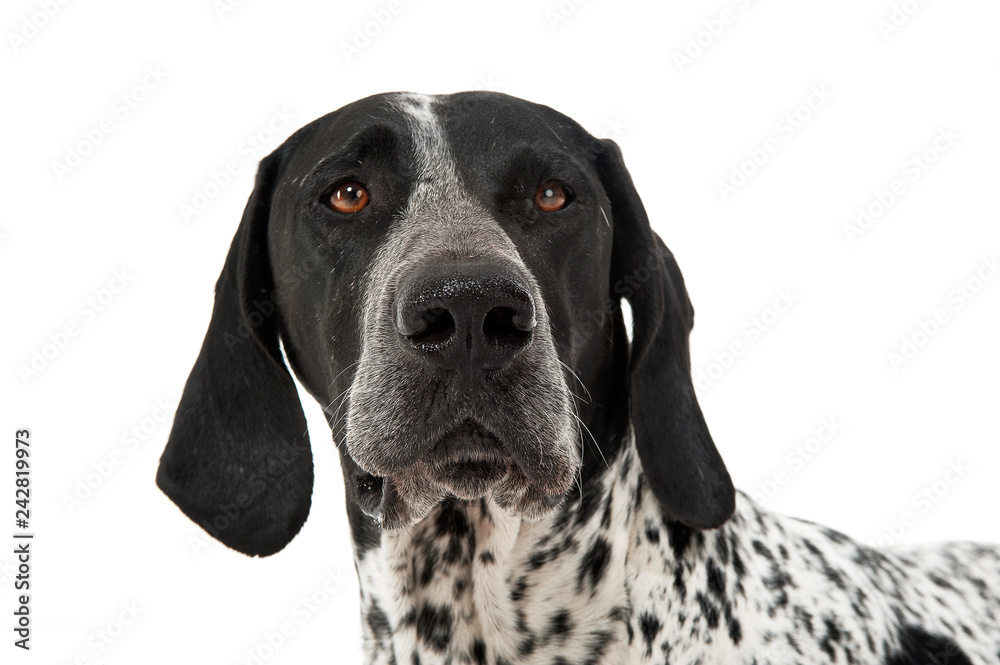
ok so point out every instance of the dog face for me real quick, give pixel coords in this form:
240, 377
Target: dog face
445, 275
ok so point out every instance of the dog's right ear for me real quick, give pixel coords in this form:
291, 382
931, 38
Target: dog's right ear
238, 461
679, 458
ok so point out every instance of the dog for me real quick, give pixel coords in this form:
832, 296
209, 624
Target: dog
526, 483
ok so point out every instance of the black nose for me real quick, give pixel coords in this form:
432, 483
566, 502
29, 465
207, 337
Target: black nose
465, 315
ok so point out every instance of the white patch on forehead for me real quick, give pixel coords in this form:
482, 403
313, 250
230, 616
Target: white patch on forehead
433, 154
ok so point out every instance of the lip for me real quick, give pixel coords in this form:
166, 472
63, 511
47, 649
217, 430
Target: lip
468, 461
473, 478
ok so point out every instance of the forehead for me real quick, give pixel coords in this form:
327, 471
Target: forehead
474, 130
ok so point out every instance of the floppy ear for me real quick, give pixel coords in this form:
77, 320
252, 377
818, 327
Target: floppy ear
678, 455
238, 461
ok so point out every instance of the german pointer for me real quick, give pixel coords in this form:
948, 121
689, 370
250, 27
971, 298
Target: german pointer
524, 483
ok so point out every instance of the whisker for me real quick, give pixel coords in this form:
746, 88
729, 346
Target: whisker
578, 379
353, 364
597, 447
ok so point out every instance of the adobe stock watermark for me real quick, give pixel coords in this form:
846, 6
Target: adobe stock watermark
275, 467
613, 128
785, 129
912, 170
8, 570
304, 609
796, 460
110, 633
85, 313
32, 24
707, 35
922, 503
366, 33
750, 333
250, 150
561, 12
487, 82
899, 15
957, 298
120, 108
223, 8
129, 442
592, 321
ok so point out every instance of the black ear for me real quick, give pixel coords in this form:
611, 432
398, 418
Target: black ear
678, 455
238, 461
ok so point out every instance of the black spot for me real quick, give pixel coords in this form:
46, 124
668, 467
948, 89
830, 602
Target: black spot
606, 516
451, 521
562, 517
919, 646
597, 645
735, 630
722, 548
590, 501
426, 564
479, 652
452, 524
650, 627
708, 610
680, 537
594, 563
652, 532
941, 582
487, 557
559, 624
434, 626
738, 566
637, 493
378, 622
831, 574
624, 614
835, 536
517, 593
776, 581
803, 619
415, 658
762, 549
460, 585
522, 621
526, 647
832, 629
542, 557
833, 635
679, 585
626, 467
716, 579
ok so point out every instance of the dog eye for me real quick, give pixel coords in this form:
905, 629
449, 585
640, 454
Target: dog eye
551, 196
349, 197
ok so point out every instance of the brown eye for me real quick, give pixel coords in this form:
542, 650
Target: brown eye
551, 196
349, 197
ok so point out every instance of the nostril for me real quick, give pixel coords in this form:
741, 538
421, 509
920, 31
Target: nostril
501, 328
438, 327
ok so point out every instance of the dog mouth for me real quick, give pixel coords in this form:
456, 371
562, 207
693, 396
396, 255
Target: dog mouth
467, 462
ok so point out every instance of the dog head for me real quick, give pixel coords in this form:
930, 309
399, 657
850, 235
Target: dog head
445, 276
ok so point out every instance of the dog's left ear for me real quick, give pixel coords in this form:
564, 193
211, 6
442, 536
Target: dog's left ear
238, 461
679, 458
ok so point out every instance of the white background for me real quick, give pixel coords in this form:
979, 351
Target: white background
613, 66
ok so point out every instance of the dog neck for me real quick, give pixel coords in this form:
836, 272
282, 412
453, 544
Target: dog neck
475, 584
